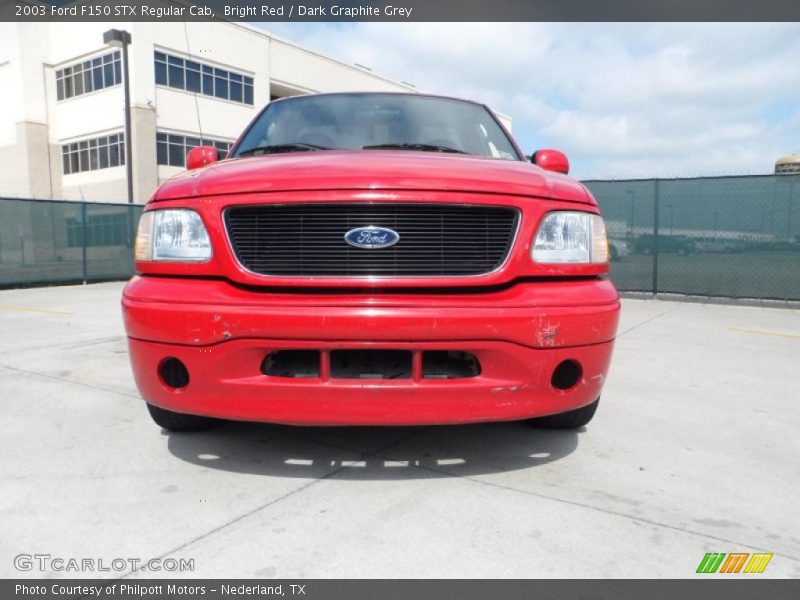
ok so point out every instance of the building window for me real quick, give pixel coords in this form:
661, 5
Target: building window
89, 76
101, 230
192, 76
172, 149
91, 155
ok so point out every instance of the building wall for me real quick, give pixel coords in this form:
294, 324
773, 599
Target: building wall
8, 131
13, 150
309, 71
34, 124
144, 123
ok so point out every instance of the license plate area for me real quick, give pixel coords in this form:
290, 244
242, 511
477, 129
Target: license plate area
370, 364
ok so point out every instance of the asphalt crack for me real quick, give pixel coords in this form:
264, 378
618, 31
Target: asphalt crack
66, 380
600, 510
274, 501
650, 320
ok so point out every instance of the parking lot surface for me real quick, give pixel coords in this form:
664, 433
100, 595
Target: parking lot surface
694, 449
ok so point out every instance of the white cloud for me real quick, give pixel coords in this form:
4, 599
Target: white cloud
627, 99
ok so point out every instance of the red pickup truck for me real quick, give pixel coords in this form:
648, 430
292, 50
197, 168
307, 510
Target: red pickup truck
371, 259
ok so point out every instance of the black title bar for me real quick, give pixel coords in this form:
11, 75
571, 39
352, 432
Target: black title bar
401, 10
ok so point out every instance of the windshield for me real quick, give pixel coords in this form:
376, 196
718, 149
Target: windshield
377, 122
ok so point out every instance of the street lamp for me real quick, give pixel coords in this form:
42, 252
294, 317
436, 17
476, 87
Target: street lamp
121, 39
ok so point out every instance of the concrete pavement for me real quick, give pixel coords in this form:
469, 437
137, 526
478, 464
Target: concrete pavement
694, 449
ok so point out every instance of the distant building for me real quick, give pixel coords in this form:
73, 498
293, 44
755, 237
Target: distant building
62, 116
62, 110
788, 165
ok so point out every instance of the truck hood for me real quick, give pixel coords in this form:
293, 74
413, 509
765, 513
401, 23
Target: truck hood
372, 170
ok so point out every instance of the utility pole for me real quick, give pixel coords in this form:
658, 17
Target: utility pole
122, 39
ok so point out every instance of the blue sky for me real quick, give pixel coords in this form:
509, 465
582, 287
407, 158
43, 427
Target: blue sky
621, 99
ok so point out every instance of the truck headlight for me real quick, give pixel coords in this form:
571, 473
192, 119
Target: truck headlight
571, 237
172, 235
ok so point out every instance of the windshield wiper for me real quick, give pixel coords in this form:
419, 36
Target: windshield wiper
422, 147
277, 148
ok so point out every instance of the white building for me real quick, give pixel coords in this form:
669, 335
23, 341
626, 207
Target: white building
62, 107
788, 165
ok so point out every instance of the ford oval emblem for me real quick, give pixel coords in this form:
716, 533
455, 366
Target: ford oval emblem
371, 237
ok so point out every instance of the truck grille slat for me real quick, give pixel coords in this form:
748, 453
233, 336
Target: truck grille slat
308, 239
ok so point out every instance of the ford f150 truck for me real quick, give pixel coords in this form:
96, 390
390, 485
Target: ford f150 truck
371, 259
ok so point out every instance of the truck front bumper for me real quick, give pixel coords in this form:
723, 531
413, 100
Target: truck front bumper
222, 334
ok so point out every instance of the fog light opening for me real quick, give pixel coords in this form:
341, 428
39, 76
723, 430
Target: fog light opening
566, 375
173, 373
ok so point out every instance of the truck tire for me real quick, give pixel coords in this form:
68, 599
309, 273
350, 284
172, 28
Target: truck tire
567, 420
173, 421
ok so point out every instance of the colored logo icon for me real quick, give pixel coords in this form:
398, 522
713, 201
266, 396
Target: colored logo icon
734, 562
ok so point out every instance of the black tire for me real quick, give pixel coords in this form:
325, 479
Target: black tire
173, 421
567, 420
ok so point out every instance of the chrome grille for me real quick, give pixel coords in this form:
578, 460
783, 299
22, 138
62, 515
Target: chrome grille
308, 239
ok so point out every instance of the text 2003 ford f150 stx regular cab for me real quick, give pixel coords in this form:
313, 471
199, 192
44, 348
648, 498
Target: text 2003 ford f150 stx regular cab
371, 259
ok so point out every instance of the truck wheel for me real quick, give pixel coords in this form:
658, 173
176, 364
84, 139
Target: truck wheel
172, 421
567, 420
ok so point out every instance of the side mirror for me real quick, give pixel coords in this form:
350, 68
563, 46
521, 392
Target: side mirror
551, 160
201, 156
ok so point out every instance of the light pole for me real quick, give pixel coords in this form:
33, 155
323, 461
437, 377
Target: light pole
121, 39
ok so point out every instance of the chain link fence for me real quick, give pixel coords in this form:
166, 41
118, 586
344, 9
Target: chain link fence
54, 241
735, 237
